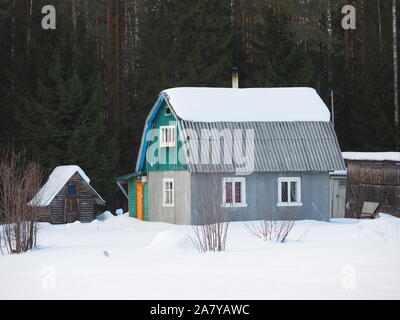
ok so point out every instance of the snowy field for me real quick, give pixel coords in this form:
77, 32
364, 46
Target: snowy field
343, 259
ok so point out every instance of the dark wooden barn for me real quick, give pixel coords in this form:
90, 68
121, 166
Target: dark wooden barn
373, 184
67, 196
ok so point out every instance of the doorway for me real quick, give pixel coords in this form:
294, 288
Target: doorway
72, 203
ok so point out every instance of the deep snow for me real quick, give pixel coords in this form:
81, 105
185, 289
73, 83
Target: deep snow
123, 258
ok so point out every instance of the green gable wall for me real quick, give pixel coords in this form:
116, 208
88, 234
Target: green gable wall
168, 153
131, 194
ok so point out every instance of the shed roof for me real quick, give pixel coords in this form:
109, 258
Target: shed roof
278, 146
57, 179
372, 156
248, 104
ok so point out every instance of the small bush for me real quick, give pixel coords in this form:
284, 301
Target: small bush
269, 228
212, 227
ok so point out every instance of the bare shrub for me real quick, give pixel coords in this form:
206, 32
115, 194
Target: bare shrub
271, 228
19, 183
211, 227
1, 244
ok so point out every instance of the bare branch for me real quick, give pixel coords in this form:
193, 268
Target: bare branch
19, 182
269, 228
211, 230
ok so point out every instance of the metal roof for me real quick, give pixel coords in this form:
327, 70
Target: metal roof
278, 146
128, 176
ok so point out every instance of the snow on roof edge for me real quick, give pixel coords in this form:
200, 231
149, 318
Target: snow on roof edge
372, 156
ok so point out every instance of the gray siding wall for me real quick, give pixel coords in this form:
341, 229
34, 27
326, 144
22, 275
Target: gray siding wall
179, 214
262, 195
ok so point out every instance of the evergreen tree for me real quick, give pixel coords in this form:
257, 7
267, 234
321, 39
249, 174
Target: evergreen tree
279, 61
70, 102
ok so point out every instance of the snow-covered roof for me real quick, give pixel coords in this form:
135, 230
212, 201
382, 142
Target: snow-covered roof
372, 156
338, 173
252, 104
57, 179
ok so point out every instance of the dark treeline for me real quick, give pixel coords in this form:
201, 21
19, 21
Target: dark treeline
80, 94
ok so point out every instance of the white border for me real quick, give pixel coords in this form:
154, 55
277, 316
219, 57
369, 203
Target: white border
242, 180
173, 192
298, 203
167, 144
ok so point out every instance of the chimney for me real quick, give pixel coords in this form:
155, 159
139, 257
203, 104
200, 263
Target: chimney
235, 78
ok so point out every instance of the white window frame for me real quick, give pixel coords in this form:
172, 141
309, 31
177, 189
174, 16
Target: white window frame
164, 191
298, 202
167, 136
242, 180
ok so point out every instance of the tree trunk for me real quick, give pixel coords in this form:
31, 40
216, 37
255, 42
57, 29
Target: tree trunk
29, 28
330, 34
119, 5
395, 66
110, 63
380, 28
246, 24
74, 12
347, 50
12, 48
98, 45
363, 34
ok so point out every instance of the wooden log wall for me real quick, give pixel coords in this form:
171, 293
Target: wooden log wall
373, 181
85, 202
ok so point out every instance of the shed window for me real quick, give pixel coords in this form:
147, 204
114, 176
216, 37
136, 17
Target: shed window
168, 192
167, 136
234, 192
289, 191
72, 190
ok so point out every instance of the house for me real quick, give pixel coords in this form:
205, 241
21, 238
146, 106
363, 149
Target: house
252, 152
67, 196
373, 180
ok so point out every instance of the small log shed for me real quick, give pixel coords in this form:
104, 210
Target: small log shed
67, 196
372, 177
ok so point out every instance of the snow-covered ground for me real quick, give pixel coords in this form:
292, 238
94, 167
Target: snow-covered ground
343, 259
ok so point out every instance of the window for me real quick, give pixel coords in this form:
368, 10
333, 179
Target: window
71, 190
234, 192
167, 111
168, 192
289, 192
167, 136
